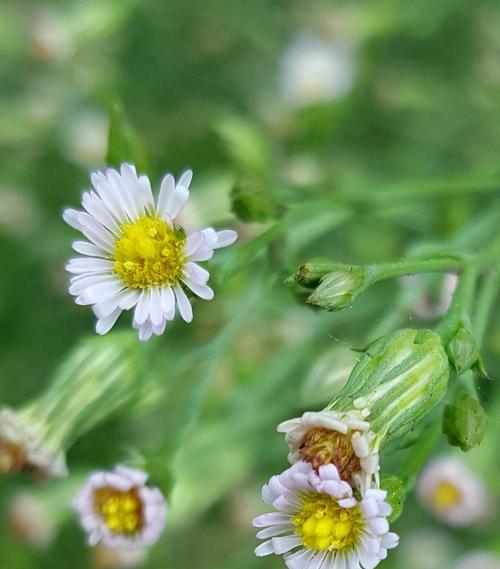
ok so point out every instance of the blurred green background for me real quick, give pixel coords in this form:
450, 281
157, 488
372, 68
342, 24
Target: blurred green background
353, 130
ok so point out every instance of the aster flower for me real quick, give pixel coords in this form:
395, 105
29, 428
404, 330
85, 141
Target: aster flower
119, 511
136, 254
332, 437
453, 492
318, 517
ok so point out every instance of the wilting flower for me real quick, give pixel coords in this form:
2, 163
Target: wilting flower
318, 516
99, 377
453, 492
118, 510
479, 560
315, 71
136, 255
330, 437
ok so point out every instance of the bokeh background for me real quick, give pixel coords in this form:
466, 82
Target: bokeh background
332, 129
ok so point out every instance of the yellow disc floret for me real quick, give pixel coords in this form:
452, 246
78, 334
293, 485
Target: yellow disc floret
120, 510
149, 252
446, 495
323, 524
324, 446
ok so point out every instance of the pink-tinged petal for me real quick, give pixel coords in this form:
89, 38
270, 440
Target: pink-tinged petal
203, 291
146, 331
195, 273
168, 302
265, 548
98, 292
142, 308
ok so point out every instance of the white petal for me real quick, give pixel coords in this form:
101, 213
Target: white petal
70, 216
284, 544
155, 310
195, 273
88, 249
300, 559
193, 241
273, 531
203, 291
129, 300
146, 331
142, 308
168, 302
167, 188
89, 265
82, 282
270, 519
225, 238
104, 325
96, 208
265, 548
185, 308
102, 291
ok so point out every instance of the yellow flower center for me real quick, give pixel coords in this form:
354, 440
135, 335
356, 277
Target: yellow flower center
445, 496
323, 524
149, 252
323, 446
121, 511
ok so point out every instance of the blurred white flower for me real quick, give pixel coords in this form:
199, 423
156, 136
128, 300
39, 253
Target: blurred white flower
23, 447
453, 492
29, 520
315, 71
18, 212
118, 510
331, 437
479, 560
137, 255
318, 516
85, 138
105, 558
50, 35
424, 307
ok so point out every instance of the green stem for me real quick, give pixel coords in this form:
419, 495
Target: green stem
460, 305
383, 271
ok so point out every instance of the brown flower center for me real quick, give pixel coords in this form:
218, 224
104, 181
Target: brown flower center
323, 446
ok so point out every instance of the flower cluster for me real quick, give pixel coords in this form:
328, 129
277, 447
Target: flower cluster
330, 511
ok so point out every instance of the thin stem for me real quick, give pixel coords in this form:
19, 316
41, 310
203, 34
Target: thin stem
383, 271
460, 305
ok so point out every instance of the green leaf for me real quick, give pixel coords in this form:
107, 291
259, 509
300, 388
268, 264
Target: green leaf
124, 144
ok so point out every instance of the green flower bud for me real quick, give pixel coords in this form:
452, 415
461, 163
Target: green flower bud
397, 381
462, 350
339, 288
252, 200
98, 378
464, 421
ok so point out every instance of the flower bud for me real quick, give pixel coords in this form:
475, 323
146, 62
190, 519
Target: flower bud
396, 494
397, 381
462, 350
98, 378
339, 288
464, 421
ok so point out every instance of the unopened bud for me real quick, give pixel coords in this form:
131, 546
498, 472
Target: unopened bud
397, 381
464, 421
462, 350
339, 288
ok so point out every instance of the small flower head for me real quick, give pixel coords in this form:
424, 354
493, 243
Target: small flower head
23, 448
340, 288
136, 254
453, 492
118, 510
330, 437
464, 421
318, 517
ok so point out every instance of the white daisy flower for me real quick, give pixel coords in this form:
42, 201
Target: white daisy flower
136, 255
119, 511
453, 492
318, 517
24, 448
332, 437
479, 560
